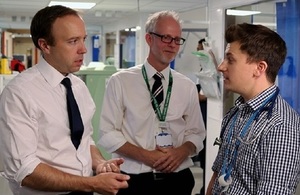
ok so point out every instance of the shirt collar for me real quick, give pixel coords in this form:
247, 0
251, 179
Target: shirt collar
50, 74
258, 100
152, 71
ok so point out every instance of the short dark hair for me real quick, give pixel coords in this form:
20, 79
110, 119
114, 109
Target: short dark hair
201, 41
42, 22
261, 44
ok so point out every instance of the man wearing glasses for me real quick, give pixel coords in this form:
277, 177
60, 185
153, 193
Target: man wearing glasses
151, 116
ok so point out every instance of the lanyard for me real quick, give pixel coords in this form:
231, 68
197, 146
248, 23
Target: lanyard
227, 167
160, 115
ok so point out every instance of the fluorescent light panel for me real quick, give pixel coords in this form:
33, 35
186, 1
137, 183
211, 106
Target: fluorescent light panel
74, 5
235, 12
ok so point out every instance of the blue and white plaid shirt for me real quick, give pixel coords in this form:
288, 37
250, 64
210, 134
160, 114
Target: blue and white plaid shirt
268, 158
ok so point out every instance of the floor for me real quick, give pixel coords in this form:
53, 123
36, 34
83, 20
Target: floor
197, 171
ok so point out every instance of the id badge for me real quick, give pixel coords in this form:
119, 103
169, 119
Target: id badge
164, 139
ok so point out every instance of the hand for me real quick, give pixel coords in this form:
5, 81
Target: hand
109, 183
112, 165
170, 161
151, 156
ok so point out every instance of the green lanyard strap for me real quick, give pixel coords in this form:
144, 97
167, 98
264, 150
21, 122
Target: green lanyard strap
160, 115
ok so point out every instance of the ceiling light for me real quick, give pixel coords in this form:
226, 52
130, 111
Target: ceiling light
235, 12
74, 5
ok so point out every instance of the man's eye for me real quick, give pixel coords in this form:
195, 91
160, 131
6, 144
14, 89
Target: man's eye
73, 41
167, 37
229, 60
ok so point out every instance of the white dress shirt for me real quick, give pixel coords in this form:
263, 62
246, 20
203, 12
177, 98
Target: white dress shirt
35, 127
127, 114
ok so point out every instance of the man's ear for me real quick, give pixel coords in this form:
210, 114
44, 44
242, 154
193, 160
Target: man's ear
148, 38
43, 45
261, 68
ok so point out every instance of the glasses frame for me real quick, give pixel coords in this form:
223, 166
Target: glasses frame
177, 40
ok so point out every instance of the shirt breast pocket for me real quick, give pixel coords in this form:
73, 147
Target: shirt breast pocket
247, 155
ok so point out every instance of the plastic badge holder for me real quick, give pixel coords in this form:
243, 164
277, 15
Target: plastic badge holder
208, 76
209, 84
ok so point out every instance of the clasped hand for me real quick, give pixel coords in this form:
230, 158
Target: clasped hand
171, 159
112, 165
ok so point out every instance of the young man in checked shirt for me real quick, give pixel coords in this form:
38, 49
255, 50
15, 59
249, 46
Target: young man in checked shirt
260, 149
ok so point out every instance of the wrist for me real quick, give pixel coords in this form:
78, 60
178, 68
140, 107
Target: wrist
98, 163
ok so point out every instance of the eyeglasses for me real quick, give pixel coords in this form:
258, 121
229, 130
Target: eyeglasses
169, 39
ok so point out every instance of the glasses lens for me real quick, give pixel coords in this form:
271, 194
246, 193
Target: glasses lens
179, 41
166, 39
169, 39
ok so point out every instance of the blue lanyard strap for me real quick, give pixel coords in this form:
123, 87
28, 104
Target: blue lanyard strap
226, 166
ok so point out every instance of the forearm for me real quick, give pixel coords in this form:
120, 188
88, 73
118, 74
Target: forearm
189, 148
47, 178
211, 183
97, 157
131, 151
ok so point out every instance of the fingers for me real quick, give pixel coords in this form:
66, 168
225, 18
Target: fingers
114, 168
111, 167
160, 162
168, 169
107, 167
120, 161
166, 165
117, 161
122, 177
110, 183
